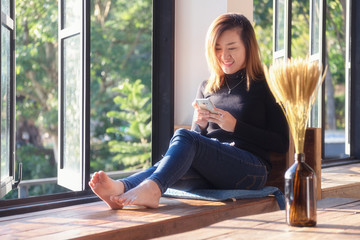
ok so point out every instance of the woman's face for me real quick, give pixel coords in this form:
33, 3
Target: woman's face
230, 51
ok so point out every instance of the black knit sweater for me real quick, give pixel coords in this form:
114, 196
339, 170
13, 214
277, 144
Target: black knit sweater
261, 127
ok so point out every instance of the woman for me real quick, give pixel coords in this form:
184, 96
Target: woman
225, 150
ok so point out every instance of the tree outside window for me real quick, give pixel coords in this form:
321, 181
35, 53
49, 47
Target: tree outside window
121, 53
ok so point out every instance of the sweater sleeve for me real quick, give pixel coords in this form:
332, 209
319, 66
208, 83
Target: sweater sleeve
199, 94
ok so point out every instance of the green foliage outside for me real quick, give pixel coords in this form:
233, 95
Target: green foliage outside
36, 63
121, 43
263, 18
135, 105
300, 28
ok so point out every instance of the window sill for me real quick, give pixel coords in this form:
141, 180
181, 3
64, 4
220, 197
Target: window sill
97, 221
341, 181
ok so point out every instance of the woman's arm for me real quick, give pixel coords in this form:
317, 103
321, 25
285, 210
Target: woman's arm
200, 117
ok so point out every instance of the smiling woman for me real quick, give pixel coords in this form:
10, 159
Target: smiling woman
228, 149
230, 51
232, 46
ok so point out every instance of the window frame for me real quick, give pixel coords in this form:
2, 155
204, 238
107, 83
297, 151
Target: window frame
162, 118
354, 75
355, 80
348, 76
316, 118
163, 76
353, 70
6, 185
67, 33
285, 52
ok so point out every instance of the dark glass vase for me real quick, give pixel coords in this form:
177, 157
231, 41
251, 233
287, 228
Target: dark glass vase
300, 193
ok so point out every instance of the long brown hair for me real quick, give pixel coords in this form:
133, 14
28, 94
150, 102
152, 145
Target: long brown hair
253, 66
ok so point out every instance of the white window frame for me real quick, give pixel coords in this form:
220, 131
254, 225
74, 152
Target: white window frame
285, 52
69, 175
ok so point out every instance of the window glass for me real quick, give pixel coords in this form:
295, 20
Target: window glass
315, 26
335, 93
72, 84
5, 7
314, 11
280, 24
36, 97
121, 56
72, 13
5, 102
300, 29
263, 26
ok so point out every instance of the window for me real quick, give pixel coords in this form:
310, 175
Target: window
310, 22
7, 98
74, 79
316, 9
336, 82
79, 125
282, 32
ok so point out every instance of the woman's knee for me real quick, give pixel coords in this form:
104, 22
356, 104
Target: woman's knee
184, 133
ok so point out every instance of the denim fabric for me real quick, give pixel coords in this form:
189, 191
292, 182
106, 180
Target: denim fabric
194, 161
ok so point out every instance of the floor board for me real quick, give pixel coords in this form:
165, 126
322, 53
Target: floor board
96, 221
341, 181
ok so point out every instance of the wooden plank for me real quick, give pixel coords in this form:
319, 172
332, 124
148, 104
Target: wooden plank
335, 202
345, 191
312, 150
96, 221
339, 222
190, 222
176, 127
340, 175
341, 181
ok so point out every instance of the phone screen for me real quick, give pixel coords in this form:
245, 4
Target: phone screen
206, 104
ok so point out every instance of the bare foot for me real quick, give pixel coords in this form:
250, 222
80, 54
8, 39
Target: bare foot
103, 186
147, 194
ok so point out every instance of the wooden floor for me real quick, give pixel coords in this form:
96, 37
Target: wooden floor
174, 216
96, 221
337, 219
341, 181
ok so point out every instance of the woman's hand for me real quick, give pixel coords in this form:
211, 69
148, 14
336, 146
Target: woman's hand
201, 116
224, 119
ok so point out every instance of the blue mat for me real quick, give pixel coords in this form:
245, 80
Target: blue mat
224, 195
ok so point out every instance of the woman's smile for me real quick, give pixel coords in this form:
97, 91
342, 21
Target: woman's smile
230, 51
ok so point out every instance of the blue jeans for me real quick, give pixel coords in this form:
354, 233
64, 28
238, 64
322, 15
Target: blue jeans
193, 161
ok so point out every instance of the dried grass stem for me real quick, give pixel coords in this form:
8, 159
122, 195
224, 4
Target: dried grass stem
295, 85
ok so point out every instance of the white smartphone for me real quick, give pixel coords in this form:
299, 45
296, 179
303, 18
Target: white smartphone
205, 103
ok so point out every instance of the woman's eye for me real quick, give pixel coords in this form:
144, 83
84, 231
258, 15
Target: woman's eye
232, 49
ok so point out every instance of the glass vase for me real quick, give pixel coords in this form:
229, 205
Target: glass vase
300, 193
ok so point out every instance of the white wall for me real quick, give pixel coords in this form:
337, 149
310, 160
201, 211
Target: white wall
192, 19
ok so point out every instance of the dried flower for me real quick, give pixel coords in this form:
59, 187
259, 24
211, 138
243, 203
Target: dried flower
295, 84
